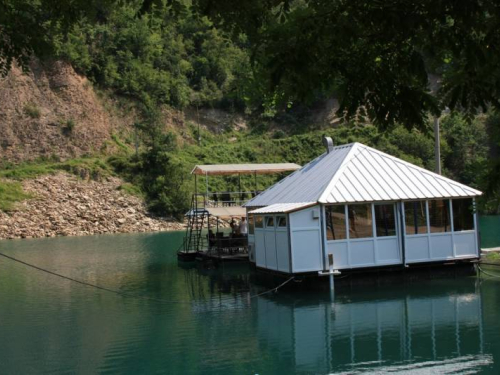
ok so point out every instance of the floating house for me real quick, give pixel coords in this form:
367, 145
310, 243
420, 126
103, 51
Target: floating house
366, 208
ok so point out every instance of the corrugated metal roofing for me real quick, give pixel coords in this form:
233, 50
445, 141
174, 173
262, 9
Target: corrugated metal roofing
358, 173
282, 208
227, 169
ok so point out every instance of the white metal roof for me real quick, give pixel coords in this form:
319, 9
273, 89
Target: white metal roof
227, 169
282, 208
358, 173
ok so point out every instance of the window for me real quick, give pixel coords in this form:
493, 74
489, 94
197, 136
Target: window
251, 224
269, 221
282, 221
360, 220
385, 220
463, 214
439, 216
415, 217
335, 223
259, 222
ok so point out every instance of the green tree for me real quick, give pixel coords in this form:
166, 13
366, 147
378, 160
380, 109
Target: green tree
375, 55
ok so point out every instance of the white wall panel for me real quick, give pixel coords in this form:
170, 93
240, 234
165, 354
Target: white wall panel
465, 243
388, 250
416, 249
260, 248
306, 240
282, 249
362, 253
270, 242
441, 246
339, 250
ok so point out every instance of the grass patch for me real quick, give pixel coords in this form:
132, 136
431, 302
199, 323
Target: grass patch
122, 146
491, 258
131, 189
94, 166
10, 194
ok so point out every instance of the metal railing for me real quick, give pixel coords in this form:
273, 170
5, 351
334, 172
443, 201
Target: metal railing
225, 198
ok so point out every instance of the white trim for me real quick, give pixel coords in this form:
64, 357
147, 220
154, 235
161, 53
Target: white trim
304, 229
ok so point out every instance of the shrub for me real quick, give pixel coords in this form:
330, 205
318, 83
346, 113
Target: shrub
32, 110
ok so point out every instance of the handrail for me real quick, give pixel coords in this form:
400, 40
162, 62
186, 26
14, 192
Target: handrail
229, 198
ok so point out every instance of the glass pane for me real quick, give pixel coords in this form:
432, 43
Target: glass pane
282, 221
360, 220
385, 221
415, 217
439, 216
335, 223
463, 214
259, 222
270, 221
251, 224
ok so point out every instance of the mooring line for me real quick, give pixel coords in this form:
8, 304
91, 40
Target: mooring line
124, 294
486, 273
274, 289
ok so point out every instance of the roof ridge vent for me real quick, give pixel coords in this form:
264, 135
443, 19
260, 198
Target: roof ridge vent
328, 143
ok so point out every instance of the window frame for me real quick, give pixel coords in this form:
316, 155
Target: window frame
278, 222
395, 215
259, 219
346, 223
267, 218
349, 226
473, 213
449, 215
427, 229
251, 224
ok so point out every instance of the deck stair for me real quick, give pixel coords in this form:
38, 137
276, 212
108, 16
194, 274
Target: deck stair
195, 241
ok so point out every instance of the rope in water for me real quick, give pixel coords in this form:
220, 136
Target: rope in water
124, 294
486, 273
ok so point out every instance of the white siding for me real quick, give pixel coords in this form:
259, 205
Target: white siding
434, 247
305, 234
283, 249
365, 252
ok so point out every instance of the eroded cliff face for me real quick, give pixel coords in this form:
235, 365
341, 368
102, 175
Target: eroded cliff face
51, 111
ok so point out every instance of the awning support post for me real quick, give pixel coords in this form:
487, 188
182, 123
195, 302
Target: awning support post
206, 182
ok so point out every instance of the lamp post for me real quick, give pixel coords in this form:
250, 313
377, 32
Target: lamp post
437, 145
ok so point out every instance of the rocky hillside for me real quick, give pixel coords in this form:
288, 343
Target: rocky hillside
51, 111
64, 205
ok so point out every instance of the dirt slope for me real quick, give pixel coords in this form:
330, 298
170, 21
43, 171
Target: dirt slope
49, 111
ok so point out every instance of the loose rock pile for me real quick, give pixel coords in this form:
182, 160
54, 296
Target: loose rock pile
65, 206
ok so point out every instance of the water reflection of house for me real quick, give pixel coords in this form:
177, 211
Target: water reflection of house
404, 331
367, 208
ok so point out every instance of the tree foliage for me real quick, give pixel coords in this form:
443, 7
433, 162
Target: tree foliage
159, 58
374, 55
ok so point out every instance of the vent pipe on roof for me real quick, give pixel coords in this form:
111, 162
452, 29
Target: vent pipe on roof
328, 143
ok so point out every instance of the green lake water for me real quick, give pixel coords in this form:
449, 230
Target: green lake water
50, 325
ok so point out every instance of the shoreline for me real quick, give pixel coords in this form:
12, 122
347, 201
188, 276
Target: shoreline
63, 205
